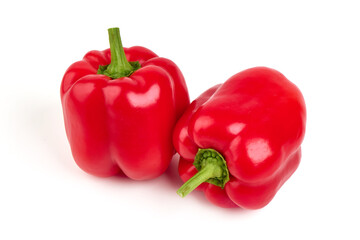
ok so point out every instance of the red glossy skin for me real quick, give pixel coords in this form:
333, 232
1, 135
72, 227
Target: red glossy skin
123, 124
256, 120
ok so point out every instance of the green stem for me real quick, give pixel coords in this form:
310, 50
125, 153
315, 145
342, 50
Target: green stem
202, 176
212, 169
119, 66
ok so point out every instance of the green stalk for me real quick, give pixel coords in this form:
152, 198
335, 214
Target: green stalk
202, 176
212, 169
119, 66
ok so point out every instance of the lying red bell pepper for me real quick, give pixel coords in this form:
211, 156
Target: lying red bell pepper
120, 107
240, 141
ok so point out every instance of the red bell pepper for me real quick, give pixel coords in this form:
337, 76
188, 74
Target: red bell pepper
120, 106
240, 141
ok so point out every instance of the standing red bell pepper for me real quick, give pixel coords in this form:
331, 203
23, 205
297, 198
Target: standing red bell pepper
119, 116
240, 141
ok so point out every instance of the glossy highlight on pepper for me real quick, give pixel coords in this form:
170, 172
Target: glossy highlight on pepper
120, 106
255, 121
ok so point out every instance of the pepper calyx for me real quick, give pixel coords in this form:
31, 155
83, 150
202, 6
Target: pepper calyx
211, 168
119, 66
208, 156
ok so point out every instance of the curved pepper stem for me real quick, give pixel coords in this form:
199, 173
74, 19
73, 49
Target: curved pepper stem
212, 169
119, 66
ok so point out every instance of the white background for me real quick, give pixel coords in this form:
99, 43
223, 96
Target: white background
44, 195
